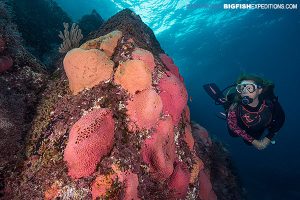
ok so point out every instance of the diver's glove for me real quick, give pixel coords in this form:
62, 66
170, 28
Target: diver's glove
261, 144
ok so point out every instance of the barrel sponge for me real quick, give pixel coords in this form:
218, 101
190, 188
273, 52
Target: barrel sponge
158, 151
143, 110
87, 68
174, 96
91, 138
144, 55
106, 43
179, 181
133, 76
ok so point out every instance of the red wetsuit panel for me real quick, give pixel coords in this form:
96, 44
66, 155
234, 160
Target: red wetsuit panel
233, 126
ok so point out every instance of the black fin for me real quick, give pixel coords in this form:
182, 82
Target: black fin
215, 93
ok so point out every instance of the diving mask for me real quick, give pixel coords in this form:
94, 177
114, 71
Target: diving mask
248, 86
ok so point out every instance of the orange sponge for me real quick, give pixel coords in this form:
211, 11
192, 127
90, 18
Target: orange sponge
133, 76
87, 68
107, 43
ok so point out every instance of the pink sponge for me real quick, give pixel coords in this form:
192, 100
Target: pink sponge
133, 76
166, 59
179, 181
158, 151
174, 96
169, 63
91, 138
144, 110
144, 55
131, 183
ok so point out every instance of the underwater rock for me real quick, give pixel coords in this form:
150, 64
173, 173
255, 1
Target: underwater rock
91, 22
39, 22
102, 184
2, 44
197, 167
188, 137
187, 113
6, 62
82, 147
206, 192
22, 79
201, 134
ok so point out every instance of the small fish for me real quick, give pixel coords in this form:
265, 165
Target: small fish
191, 98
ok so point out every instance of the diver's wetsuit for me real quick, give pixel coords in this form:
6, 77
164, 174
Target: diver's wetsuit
250, 122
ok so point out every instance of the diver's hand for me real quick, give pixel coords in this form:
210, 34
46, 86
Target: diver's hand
258, 144
266, 141
261, 144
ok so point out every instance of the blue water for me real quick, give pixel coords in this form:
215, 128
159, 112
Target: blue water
211, 44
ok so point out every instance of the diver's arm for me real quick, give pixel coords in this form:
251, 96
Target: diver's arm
233, 126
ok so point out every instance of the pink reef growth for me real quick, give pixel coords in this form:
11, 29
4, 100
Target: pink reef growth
144, 55
179, 180
158, 151
169, 63
113, 123
143, 103
91, 138
174, 96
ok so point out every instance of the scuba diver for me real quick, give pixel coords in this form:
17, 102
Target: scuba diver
250, 109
